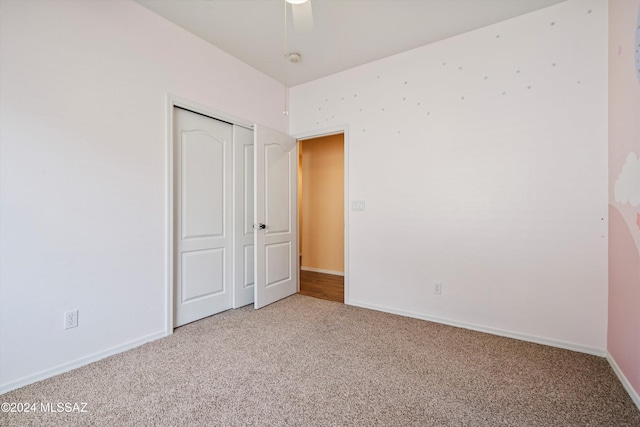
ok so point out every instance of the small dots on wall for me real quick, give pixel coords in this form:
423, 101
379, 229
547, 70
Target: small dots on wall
408, 95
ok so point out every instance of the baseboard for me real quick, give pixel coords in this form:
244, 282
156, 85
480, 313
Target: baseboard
480, 328
627, 385
66, 367
322, 270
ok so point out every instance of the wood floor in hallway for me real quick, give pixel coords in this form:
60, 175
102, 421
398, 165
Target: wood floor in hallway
321, 285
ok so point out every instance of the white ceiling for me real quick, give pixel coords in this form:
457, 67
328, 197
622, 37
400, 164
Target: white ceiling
346, 33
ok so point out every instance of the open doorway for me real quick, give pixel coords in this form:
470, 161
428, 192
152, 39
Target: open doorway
321, 217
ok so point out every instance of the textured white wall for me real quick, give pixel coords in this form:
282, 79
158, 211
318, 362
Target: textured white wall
83, 169
483, 163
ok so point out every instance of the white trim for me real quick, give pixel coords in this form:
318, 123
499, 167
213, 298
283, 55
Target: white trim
322, 270
169, 219
623, 379
66, 367
494, 331
333, 130
207, 111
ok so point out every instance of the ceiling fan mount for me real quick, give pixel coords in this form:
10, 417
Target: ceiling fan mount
302, 14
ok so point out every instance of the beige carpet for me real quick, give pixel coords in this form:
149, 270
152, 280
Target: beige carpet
308, 362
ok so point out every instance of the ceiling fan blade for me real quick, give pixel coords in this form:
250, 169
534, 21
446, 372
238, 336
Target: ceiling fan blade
302, 16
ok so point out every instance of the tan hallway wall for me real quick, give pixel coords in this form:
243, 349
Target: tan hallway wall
322, 203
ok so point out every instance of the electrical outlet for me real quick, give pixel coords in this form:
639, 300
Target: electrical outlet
71, 319
437, 288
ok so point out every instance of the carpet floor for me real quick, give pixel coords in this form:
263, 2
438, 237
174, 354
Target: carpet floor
309, 362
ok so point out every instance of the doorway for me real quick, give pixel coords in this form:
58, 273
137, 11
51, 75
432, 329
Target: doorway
321, 217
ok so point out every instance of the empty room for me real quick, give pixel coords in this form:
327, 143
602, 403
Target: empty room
158, 162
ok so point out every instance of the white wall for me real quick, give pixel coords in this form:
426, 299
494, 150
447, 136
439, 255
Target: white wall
483, 163
83, 170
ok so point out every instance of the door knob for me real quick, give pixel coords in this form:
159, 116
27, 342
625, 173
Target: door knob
259, 226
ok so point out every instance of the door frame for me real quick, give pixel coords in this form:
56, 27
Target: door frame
319, 133
172, 101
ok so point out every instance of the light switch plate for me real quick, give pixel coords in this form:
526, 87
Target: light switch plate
357, 205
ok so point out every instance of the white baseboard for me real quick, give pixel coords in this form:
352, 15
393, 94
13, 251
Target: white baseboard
322, 270
480, 328
66, 367
627, 385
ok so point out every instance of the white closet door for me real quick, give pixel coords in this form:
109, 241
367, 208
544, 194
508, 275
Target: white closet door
203, 216
276, 234
243, 228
